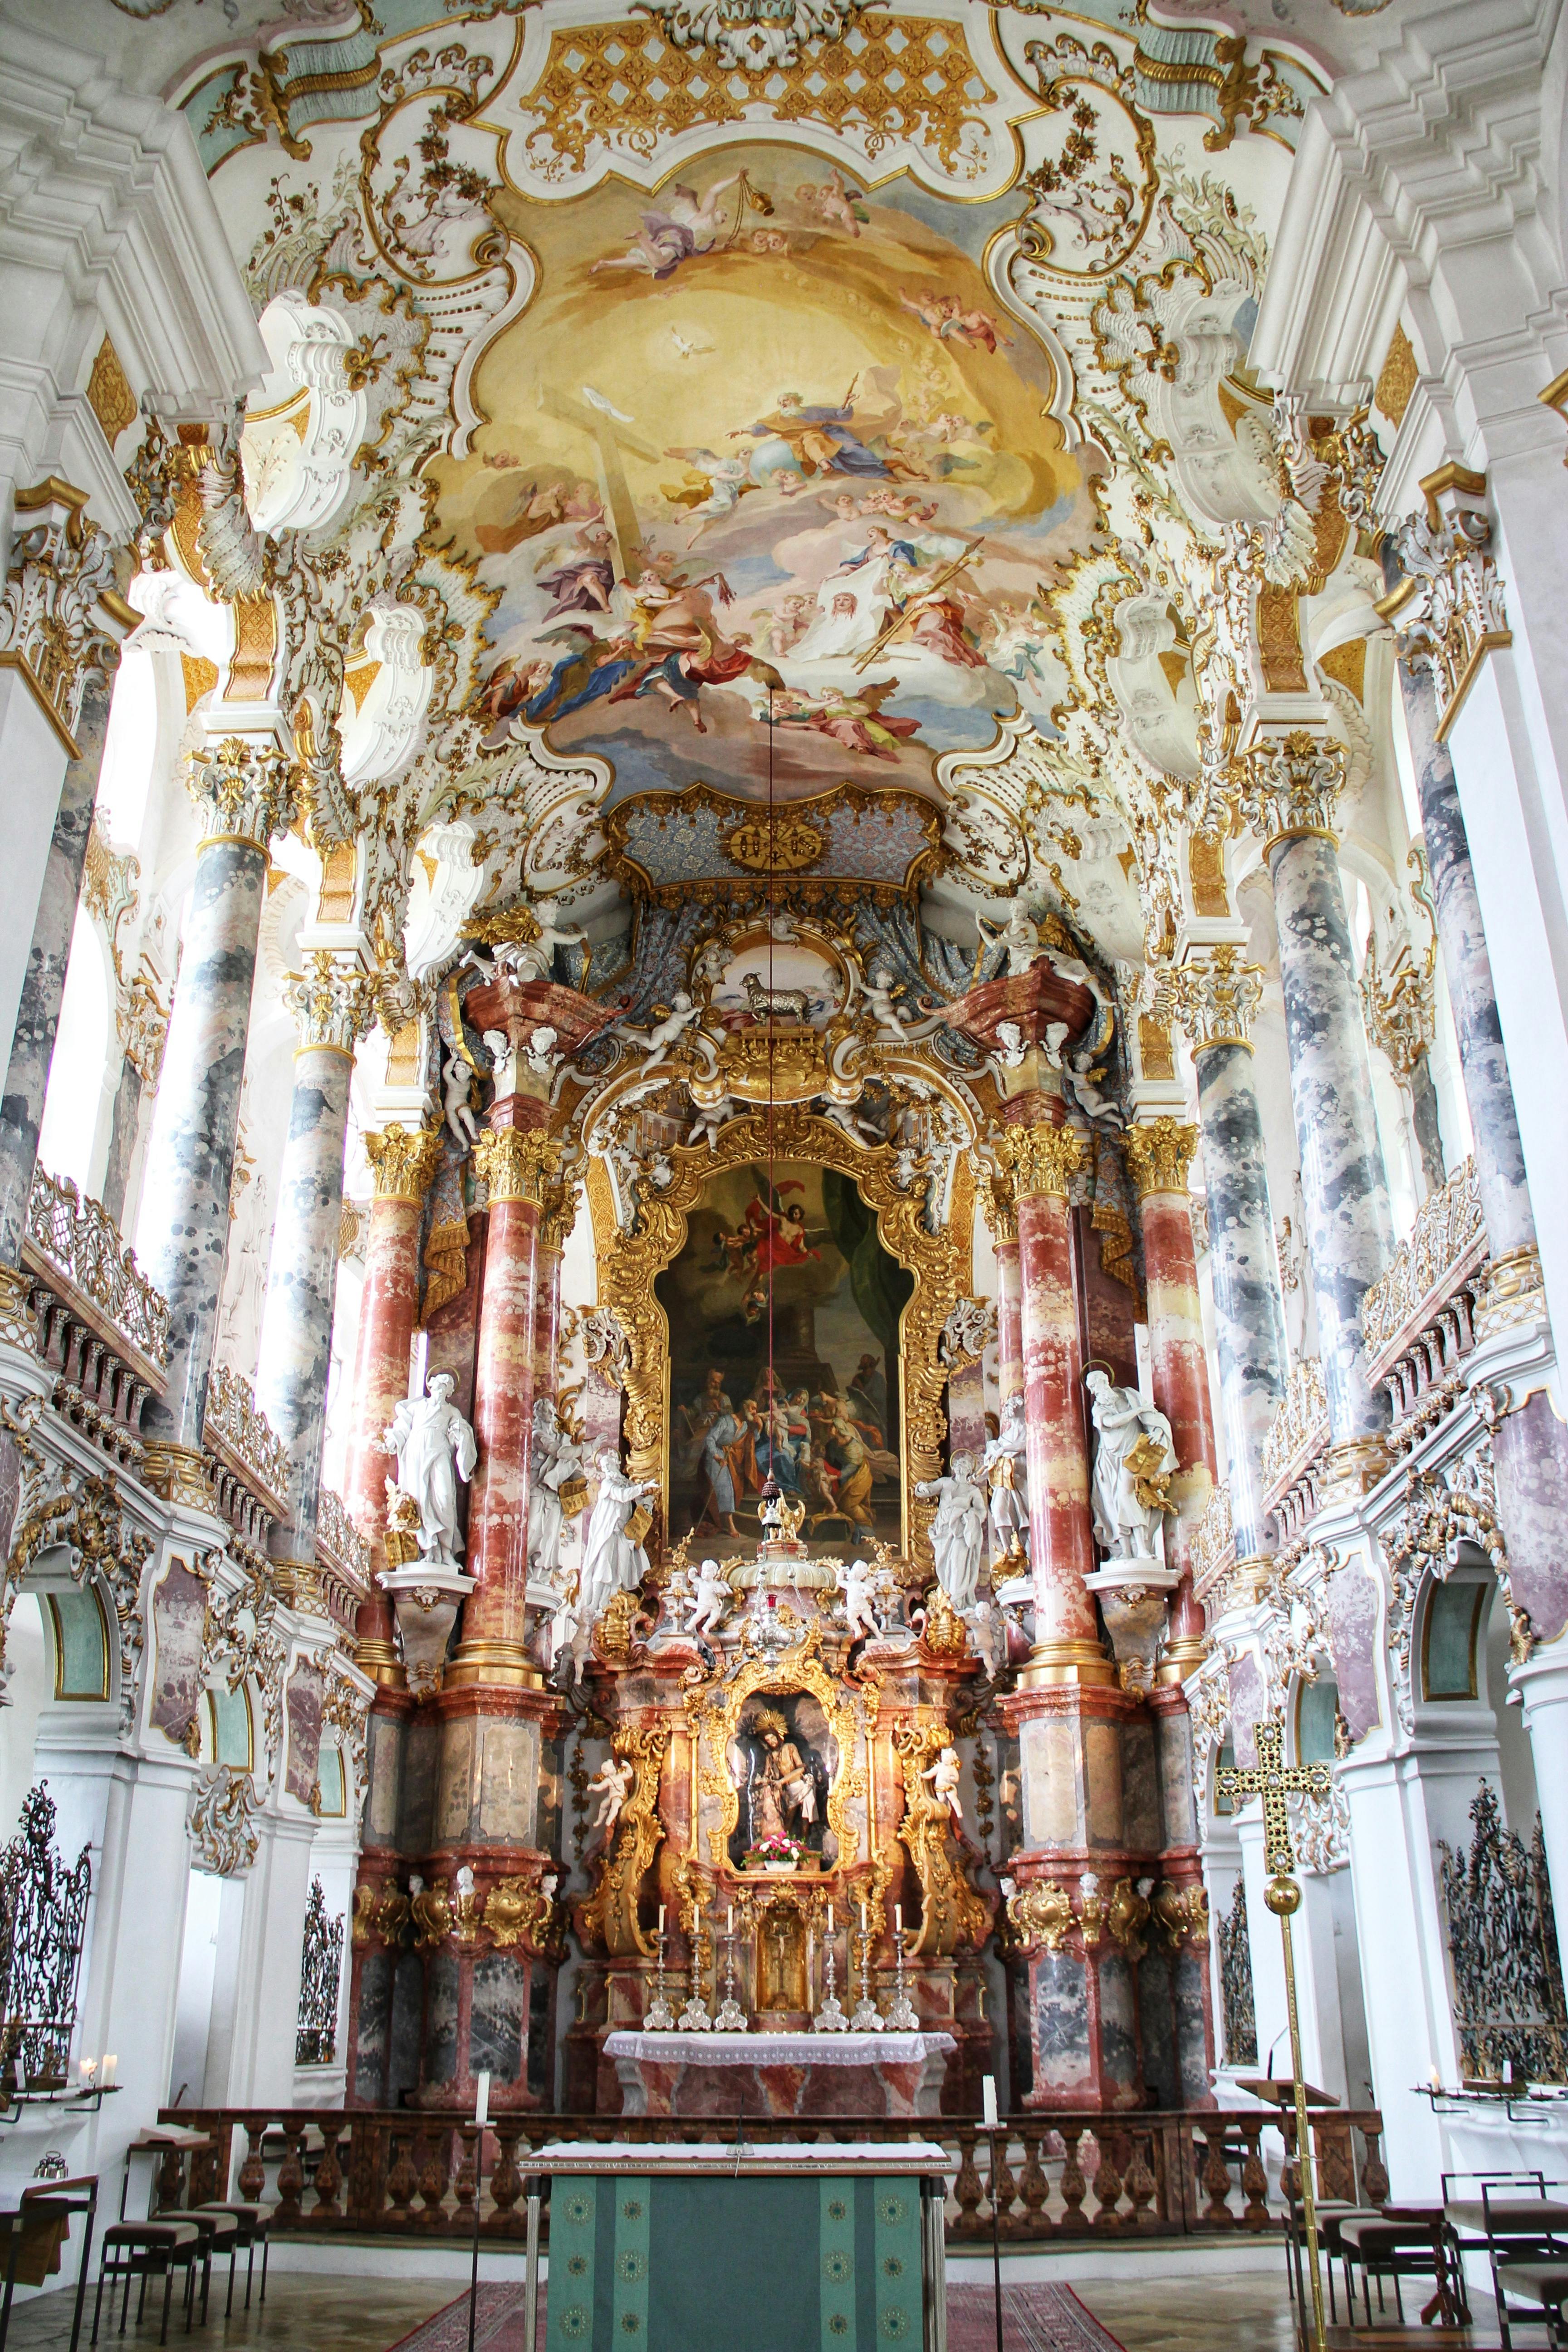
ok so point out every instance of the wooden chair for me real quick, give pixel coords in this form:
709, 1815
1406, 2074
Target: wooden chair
35, 2233
147, 2250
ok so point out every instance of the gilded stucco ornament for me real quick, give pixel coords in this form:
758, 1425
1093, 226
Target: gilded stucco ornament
713, 1715
62, 617
1039, 1914
952, 1912
219, 1819
607, 1920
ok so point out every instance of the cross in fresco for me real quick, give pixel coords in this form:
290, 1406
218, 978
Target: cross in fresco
607, 429
1273, 1779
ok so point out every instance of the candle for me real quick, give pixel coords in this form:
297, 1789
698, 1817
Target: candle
830, 1918
88, 2068
1435, 2079
862, 1918
988, 2098
482, 2102
732, 1928
661, 1919
898, 1918
110, 2062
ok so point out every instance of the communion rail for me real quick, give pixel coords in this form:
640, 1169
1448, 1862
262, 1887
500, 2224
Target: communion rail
407, 2174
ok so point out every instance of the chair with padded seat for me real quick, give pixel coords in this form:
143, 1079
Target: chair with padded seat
1527, 2246
147, 2250
253, 2228
1384, 2249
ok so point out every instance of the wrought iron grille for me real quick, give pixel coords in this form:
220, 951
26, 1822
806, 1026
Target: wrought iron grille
43, 1922
1236, 1983
1503, 1941
320, 1974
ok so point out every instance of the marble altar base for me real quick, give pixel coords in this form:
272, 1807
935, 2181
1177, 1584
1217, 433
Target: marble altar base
781, 2074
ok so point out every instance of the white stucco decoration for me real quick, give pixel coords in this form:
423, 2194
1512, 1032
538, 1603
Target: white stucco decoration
305, 420
447, 887
383, 734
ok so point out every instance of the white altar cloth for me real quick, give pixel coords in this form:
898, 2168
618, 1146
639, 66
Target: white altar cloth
780, 2049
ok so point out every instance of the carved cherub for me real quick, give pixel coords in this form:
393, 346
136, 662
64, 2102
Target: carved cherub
457, 1084
859, 1601
612, 1784
666, 1036
944, 1776
711, 1599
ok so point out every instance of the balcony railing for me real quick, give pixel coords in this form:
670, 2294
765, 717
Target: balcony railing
1297, 1441
248, 1460
104, 1330
1418, 1321
342, 1559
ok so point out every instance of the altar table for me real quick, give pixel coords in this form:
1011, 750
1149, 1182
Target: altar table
780, 2073
728, 2249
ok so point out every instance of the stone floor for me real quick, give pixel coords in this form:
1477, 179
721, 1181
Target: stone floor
358, 2314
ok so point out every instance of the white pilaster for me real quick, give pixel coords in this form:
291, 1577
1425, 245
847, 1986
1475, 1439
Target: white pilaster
1542, 1685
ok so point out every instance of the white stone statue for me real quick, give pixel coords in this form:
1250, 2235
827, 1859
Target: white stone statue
435, 1447
612, 1784
711, 1599
944, 1776
712, 1121
1004, 1466
1020, 935
860, 1602
1134, 1448
613, 1561
880, 1001
539, 1051
958, 1531
554, 1459
457, 1084
503, 1063
534, 958
662, 1040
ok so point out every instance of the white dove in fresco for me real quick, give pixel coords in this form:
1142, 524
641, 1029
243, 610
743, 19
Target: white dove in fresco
596, 399
686, 347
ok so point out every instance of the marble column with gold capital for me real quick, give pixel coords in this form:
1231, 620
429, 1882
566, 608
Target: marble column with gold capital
332, 1008
1159, 1154
514, 1160
1001, 1215
244, 792
1042, 1159
1215, 996
1290, 786
403, 1165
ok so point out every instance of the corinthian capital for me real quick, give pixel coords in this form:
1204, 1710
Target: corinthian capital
1290, 785
61, 615
1043, 1159
1214, 997
1449, 610
243, 789
1159, 1153
333, 1004
402, 1163
516, 1163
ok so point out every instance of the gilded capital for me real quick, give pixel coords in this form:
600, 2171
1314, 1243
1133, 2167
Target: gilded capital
61, 615
1290, 785
1449, 611
242, 789
1159, 1154
1043, 1159
333, 1004
1214, 997
516, 1163
997, 1200
402, 1163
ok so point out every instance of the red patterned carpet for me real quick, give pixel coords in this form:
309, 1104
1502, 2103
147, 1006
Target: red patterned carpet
1034, 2319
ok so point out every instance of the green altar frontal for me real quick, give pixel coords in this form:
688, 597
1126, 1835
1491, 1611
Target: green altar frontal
720, 2256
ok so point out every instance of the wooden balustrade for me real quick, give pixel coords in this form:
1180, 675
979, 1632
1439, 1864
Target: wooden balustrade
410, 2174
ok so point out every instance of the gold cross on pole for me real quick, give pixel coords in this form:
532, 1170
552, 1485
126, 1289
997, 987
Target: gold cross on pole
1274, 1781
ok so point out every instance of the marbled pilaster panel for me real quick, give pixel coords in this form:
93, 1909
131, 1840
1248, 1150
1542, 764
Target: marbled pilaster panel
1178, 1368
183, 1230
1009, 1321
1489, 1089
1249, 1310
389, 1308
302, 1283
43, 983
503, 1418
1062, 1541
1350, 1226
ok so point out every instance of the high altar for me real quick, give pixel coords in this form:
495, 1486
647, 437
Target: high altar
813, 1708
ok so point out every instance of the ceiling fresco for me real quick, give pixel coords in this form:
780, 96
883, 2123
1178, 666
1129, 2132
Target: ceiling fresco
769, 491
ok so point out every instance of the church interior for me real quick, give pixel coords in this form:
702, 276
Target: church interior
781, 1203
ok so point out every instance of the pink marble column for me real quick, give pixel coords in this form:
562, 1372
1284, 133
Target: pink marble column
1159, 1153
511, 1158
1043, 1158
1009, 1312
404, 1165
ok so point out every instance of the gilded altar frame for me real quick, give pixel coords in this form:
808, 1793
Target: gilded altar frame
629, 1264
713, 1715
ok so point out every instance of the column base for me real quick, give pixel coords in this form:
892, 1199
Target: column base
299, 1584
1249, 1579
1182, 1657
1066, 1662
381, 1661
506, 1664
179, 1473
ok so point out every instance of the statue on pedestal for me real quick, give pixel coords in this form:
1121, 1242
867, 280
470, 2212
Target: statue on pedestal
1004, 1466
958, 1531
1134, 1460
556, 1489
435, 1447
614, 1559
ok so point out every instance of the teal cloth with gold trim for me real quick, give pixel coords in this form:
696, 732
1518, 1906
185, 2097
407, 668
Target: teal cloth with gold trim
683, 2262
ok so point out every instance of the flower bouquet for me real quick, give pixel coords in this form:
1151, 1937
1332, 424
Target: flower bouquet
774, 1853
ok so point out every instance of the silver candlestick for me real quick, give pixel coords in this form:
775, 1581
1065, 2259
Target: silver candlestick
730, 2017
660, 2018
830, 2017
901, 2017
868, 2017
694, 2017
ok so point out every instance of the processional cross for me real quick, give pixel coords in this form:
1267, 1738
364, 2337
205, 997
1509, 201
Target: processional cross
1274, 1781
